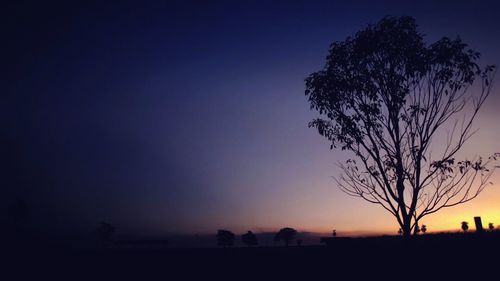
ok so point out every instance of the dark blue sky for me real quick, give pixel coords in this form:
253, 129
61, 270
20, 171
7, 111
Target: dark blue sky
185, 116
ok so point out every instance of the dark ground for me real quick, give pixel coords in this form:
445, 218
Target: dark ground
427, 257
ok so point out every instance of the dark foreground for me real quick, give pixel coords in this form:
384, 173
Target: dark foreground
426, 257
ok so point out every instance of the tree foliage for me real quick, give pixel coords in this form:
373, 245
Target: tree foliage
225, 238
465, 226
249, 239
387, 96
424, 229
491, 226
286, 235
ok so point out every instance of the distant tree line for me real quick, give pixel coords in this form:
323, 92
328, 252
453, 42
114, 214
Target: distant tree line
226, 238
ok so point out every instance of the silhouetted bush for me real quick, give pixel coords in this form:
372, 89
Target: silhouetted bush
225, 238
465, 226
286, 234
491, 226
249, 239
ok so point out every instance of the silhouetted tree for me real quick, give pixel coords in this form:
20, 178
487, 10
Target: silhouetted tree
491, 227
424, 228
384, 95
334, 233
106, 232
465, 226
249, 239
286, 234
225, 238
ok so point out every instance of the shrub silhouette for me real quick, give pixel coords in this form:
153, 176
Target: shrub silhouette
249, 239
286, 234
465, 226
225, 238
424, 228
491, 227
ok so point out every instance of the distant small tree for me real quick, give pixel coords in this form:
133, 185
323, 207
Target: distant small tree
249, 239
225, 238
424, 229
491, 227
334, 233
286, 234
106, 232
465, 226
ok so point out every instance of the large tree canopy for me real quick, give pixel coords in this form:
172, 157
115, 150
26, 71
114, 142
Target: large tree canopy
386, 95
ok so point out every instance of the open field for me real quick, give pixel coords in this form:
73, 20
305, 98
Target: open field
443, 255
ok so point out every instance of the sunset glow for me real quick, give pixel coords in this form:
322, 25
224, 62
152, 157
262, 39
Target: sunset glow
184, 119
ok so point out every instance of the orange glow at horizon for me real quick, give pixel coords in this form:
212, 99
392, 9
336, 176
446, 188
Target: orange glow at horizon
357, 217
278, 185
485, 206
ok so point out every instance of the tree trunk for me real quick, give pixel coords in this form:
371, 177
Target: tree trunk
406, 228
416, 229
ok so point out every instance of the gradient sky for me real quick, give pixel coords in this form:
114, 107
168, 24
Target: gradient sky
186, 117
